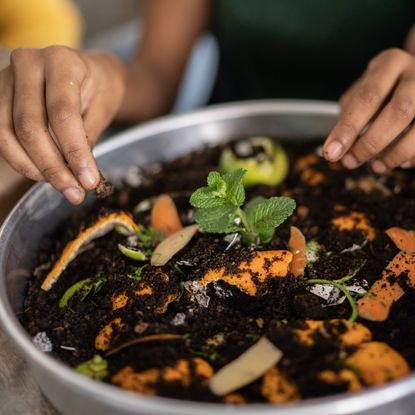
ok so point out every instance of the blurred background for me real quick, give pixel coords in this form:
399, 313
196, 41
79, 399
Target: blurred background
105, 16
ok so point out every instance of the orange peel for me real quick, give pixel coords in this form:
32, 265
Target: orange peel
181, 371
277, 388
355, 221
348, 334
101, 227
263, 265
105, 336
344, 376
378, 363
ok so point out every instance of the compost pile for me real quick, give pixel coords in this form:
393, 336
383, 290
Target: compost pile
282, 278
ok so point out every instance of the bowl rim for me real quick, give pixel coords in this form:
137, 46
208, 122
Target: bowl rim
117, 397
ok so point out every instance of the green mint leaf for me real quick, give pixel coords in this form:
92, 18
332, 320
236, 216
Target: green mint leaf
218, 219
235, 192
264, 215
216, 184
204, 198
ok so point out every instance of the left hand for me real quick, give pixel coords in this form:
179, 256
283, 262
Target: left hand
383, 96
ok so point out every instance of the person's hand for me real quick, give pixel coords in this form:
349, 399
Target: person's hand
376, 116
54, 103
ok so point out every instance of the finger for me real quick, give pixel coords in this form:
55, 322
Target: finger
368, 96
14, 154
397, 154
344, 100
63, 103
10, 149
31, 129
389, 124
96, 120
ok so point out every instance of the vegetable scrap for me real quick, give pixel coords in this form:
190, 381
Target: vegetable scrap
387, 290
249, 366
264, 160
298, 248
95, 368
402, 238
164, 216
279, 280
251, 274
102, 226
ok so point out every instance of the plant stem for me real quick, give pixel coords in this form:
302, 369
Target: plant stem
252, 236
344, 290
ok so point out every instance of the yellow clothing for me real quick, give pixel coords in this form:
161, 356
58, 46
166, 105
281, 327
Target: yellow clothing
39, 23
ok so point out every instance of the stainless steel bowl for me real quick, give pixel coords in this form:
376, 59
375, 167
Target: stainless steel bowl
41, 209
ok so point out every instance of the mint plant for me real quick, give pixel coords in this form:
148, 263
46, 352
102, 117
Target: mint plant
219, 208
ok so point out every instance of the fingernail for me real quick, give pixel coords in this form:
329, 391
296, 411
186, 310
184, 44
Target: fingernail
334, 151
379, 167
87, 179
406, 165
73, 195
350, 161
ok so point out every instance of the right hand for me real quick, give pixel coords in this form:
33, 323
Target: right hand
54, 103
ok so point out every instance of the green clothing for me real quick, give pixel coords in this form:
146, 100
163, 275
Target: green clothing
302, 48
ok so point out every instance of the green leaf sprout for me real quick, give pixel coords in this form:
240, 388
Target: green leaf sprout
137, 274
219, 208
95, 368
88, 286
134, 254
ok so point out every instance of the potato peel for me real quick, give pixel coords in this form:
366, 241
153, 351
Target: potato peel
249, 366
166, 249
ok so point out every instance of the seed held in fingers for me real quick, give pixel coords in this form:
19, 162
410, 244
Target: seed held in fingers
334, 151
73, 195
350, 161
379, 167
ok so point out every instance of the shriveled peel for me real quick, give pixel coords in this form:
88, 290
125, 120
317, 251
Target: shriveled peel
164, 216
378, 363
298, 247
249, 366
277, 388
166, 249
355, 221
385, 292
402, 238
348, 334
263, 265
102, 226
145, 382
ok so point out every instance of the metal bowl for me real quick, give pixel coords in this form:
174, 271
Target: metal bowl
41, 209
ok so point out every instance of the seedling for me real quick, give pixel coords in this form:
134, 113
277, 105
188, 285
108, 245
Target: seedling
219, 209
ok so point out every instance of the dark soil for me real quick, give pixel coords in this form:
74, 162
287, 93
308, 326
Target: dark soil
232, 321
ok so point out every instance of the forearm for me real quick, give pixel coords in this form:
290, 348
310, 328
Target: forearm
410, 41
148, 94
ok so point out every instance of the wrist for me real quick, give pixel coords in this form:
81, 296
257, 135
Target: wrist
110, 74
